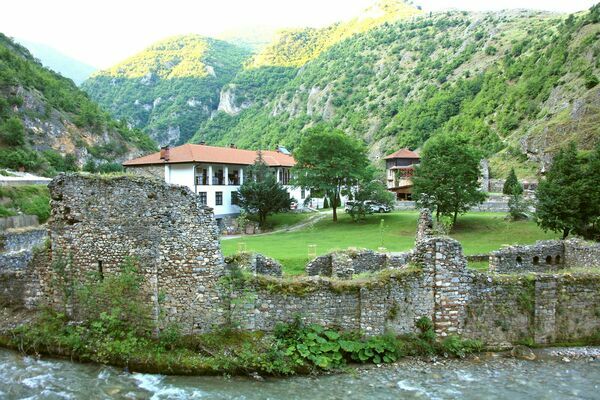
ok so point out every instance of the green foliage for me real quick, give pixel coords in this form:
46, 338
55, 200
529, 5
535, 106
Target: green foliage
328, 161
315, 346
173, 83
447, 176
591, 80
369, 189
568, 198
60, 99
407, 81
512, 185
12, 132
28, 199
518, 207
325, 202
260, 193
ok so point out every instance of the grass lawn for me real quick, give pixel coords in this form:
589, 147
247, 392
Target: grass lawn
478, 232
283, 220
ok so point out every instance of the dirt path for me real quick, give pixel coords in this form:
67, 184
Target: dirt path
313, 219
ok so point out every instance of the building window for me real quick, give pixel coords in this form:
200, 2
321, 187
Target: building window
235, 198
202, 197
219, 198
284, 176
202, 176
234, 177
218, 178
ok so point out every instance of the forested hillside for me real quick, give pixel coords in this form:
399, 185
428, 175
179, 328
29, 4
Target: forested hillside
518, 83
47, 124
170, 88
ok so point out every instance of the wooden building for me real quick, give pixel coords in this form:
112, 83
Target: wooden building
399, 168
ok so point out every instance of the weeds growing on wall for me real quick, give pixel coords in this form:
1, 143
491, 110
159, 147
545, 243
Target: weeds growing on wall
112, 324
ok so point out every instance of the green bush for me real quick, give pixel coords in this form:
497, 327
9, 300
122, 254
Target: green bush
12, 132
28, 199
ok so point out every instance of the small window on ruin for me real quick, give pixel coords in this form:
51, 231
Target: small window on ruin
557, 260
536, 260
100, 270
519, 260
549, 260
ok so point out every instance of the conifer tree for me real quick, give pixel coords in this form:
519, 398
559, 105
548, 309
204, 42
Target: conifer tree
512, 185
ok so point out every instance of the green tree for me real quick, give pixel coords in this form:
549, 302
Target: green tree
569, 199
261, 194
447, 176
12, 132
329, 161
558, 196
512, 185
373, 190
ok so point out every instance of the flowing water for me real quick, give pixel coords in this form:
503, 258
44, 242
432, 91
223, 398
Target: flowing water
28, 378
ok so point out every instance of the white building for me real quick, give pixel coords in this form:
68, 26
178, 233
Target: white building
214, 173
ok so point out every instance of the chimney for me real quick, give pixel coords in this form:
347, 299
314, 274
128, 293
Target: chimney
232, 146
164, 153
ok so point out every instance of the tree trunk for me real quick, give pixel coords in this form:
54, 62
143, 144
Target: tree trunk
455, 215
566, 233
334, 213
437, 214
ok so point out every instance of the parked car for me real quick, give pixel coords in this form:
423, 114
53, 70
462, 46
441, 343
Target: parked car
349, 204
371, 206
377, 207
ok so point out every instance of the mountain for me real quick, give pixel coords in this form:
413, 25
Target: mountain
47, 124
519, 83
55, 60
170, 88
251, 38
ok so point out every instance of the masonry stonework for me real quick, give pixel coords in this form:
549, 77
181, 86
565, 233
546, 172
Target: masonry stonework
98, 223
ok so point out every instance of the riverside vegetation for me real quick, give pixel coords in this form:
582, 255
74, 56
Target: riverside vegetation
112, 326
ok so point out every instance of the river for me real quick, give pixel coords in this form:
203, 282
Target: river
24, 377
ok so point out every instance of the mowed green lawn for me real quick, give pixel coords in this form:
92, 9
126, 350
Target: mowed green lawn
478, 233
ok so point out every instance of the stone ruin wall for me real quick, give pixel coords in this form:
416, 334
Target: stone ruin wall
18, 250
545, 256
345, 264
174, 237
99, 222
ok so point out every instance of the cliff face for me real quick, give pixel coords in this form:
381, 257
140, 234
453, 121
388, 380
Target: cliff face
47, 124
170, 88
520, 83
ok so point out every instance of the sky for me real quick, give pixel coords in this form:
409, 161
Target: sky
102, 33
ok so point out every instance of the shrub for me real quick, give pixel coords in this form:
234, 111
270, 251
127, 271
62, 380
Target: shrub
12, 132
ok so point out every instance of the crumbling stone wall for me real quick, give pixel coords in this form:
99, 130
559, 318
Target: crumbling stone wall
500, 309
148, 171
579, 253
254, 263
99, 222
12, 240
345, 264
543, 256
373, 307
17, 248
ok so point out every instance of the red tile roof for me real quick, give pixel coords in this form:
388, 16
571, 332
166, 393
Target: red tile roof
403, 153
200, 153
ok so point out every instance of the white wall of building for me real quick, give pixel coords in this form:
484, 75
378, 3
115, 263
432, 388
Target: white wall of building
184, 175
